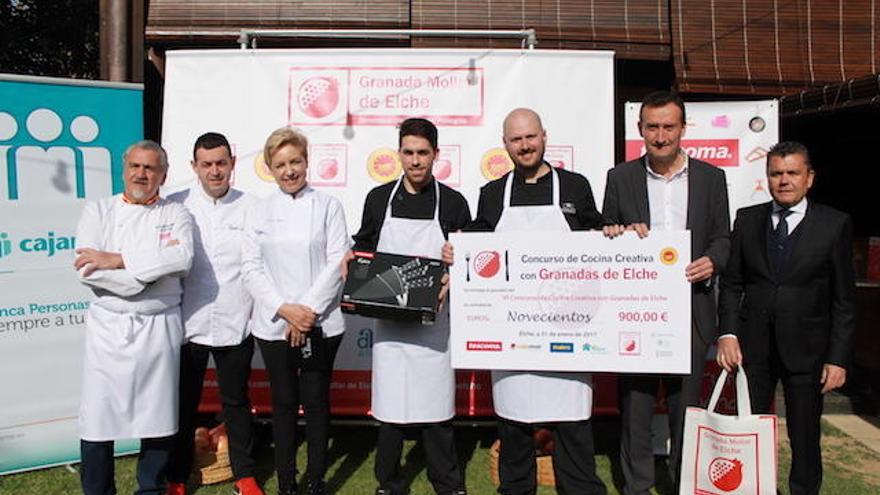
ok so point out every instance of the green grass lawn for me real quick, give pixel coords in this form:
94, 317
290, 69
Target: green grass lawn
850, 467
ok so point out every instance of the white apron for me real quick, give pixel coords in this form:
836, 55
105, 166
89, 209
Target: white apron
413, 380
131, 360
130, 375
537, 397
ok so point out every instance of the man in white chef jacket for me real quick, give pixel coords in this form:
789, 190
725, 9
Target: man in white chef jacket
133, 249
215, 310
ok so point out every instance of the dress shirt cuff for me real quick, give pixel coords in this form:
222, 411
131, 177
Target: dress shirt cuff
728, 336
275, 302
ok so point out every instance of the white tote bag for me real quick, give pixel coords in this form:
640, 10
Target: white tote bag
728, 455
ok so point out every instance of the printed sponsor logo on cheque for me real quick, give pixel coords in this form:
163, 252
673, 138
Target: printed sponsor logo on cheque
484, 345
561, 347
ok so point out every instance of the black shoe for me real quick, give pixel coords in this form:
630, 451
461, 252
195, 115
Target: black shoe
317, 488
287, 489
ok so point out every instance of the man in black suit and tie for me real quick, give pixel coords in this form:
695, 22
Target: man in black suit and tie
786, 305
667, 190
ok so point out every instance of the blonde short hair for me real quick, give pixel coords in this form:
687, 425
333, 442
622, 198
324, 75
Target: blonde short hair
282, 137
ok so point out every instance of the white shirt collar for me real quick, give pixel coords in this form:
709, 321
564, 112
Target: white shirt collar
801, 207
681, 173
306, 189
204, 196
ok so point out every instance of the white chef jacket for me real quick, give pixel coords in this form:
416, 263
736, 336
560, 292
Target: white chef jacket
216, 307
274, 259
133, 328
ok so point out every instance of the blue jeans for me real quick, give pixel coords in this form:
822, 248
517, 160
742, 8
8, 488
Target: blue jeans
97, 469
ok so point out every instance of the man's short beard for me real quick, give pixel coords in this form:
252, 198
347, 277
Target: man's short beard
140, 195
537, 163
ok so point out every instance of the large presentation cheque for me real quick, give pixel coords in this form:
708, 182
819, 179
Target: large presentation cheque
571, 301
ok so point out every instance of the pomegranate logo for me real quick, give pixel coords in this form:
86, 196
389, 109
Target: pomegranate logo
487, 263
725, 474
328, 168
630, 344
495, 163
668, 256
442, 169
318, 96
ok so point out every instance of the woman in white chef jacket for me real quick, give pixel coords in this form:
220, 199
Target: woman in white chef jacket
294, 241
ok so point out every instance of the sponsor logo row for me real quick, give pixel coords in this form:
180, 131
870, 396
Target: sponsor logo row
629, 345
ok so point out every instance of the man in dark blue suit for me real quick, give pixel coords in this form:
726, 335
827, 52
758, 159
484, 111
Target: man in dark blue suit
786, 306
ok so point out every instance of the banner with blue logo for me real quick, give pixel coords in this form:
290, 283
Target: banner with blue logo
61, 144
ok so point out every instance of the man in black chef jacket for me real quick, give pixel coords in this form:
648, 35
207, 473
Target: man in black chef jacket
413, 383
536, 197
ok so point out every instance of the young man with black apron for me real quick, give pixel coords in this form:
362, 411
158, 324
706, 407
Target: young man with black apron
537, 197
413, 382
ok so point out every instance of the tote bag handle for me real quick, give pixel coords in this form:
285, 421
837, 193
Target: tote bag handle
743, 402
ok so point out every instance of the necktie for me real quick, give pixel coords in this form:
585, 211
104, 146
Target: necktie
780, 234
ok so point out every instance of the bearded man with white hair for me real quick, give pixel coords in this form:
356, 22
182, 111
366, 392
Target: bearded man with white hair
133, 249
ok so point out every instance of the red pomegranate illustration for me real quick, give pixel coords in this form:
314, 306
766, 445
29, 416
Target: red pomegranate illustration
318, 96
328, 168
630, 346
442, 169
487, 263
559, 163
725, 474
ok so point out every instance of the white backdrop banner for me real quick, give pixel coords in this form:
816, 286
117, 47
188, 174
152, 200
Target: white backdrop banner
349, 103
732, 135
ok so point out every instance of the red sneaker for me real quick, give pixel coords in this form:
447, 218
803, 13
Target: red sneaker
247, 486
175, 488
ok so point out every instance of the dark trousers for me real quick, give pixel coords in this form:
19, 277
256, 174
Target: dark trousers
315, 397
574, 464
288, 387
803, 412
233, 370
441, 458
97, 473
637, 401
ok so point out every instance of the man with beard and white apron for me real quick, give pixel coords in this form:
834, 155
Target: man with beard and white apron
133, 250
413, 381
535, 197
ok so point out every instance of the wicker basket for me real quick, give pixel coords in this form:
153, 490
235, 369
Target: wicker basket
544, 465
211, 467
